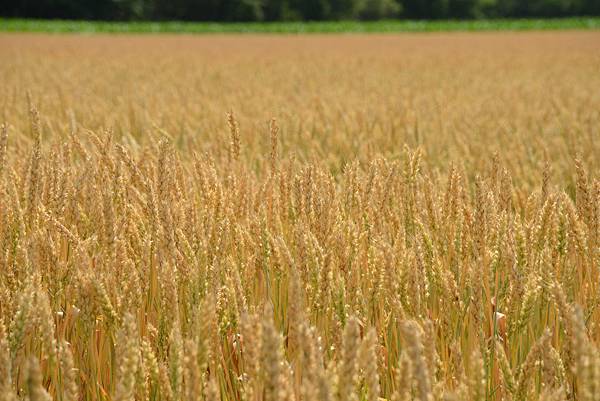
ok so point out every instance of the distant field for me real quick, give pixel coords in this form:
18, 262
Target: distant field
300, 217
58, 26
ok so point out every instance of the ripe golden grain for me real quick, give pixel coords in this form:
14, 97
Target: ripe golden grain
302, 218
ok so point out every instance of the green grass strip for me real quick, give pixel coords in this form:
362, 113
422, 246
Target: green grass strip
388, 26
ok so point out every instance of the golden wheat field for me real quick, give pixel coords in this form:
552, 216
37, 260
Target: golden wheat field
308, 218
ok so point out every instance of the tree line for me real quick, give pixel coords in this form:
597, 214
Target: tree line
293, 10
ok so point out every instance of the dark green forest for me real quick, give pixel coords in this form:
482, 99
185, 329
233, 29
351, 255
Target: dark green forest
293, 10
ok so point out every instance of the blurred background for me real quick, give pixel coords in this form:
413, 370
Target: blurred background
293, 10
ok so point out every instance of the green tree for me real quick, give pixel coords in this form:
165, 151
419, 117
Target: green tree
281, 10
378, 9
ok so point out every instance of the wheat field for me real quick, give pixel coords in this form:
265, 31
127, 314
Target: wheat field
343, 217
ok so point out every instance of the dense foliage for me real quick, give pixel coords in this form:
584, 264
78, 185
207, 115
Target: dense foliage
292, 10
